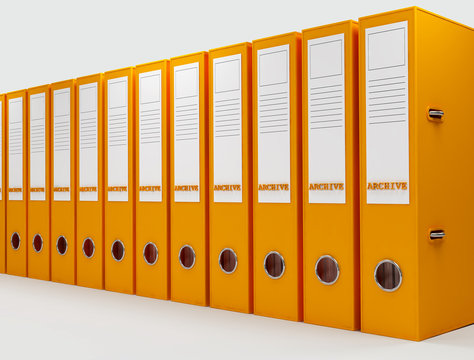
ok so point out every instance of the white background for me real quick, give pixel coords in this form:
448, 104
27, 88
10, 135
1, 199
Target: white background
43, 320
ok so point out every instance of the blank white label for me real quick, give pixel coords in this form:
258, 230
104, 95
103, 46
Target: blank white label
62, 145
15, 149
186, 133
326, 120
88, 143
117, 136
227, 124
387, 114
273, 74
38, 147
149, 132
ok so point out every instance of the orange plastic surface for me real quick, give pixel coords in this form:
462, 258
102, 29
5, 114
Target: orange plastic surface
153, 217
189, 221
434, 296
40, 211
90, 214
120, 216
18, 219
3, 202
230, 224
63, 213
333, 229
278, 227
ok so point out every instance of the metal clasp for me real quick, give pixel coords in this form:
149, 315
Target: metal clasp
435, 114
437, 234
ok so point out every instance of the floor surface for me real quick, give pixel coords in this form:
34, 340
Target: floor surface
55, 321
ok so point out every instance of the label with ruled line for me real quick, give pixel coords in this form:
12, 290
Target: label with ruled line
186, 133
15, 149
62, 145
149, 132
326, 120
273, 92
38, 147
227, 125
117, 139
88, 142
387, 114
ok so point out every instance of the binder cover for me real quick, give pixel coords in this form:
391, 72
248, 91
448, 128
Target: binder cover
3, 213
416, 134
39, 183
17, 176
189, 179
230, 171
90, 180
152, 189
277, 204
331, 176
120, 181
63, 162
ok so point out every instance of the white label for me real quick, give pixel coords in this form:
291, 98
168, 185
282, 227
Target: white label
387, 114
186, 133
273, 74
38, 147
88, 143
227, 124
62, 145
15, 149
149, 132
326, 121
117, 139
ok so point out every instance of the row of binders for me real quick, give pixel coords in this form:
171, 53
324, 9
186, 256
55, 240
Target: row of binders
242, 178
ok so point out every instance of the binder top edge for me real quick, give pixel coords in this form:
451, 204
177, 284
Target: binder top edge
39, 88
155, 62
415, 9
245, 43
444, 18
16, 94
91, 76
410, 8
292, 33
188, 55
111, 72
339, 23
63, 84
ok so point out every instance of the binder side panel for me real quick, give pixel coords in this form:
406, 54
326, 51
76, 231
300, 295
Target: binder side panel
356, 169
132, 177
39, 236
251, 192
63, 207
168, 178
119, 182
205, 159
188, 211
335, 304
89, 177
165, 211
277, 217
3, 193
298, 158
229, 206
17, 180
388, 228
445, 176
152, 185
